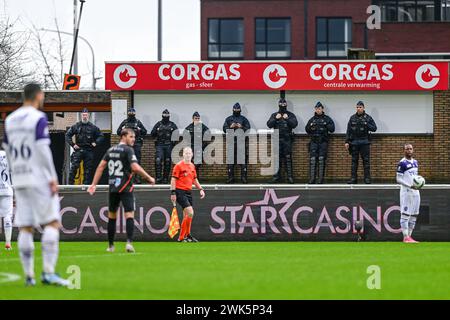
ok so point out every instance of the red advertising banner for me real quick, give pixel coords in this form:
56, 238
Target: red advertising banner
248, 75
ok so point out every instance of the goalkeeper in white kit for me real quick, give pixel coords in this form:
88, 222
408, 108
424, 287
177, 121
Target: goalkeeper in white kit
407, 169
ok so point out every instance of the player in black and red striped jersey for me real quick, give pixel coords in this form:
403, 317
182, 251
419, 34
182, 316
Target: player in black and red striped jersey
122, 165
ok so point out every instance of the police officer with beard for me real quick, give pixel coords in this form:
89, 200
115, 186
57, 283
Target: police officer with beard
139, 130
162, 132
234, 122
285, 121
318, 128
357, 141
197, 130
87, 137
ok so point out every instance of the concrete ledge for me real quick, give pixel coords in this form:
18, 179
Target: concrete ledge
68, 188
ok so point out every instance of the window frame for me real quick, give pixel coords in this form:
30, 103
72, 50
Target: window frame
327, 42
266, 43
438, 11
219, 43
50, 117
443, 13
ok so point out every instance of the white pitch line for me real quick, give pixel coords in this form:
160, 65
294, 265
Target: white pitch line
8, 277
82, 256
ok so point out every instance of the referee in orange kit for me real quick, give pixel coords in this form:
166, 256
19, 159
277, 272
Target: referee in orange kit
183, 176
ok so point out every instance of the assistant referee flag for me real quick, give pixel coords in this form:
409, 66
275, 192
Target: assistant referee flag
174, 224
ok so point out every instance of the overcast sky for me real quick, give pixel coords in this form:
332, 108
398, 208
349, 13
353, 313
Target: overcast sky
119, 30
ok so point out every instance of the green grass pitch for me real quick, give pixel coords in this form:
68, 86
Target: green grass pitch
241, 270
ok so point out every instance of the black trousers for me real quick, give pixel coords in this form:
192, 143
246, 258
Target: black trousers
363, 151
285, 157
137, 151
87, 156
318, 149
230, 167
197, 159
163, 161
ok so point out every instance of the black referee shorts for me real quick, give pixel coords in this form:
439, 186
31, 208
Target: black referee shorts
184, 198
127, 199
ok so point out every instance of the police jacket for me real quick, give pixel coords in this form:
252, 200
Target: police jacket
245, 125
85, 135
197, 132
359, 128
319, 127
136, 125
162, 131
285, 126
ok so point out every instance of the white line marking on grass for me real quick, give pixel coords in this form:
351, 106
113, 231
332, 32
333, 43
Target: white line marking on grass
8, 277
82, 256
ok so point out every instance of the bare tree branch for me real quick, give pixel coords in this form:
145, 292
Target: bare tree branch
60, 48
50, 73
32, 55
12, 55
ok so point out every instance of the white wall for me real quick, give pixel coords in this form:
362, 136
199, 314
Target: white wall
394, 112
118, 113
103, 120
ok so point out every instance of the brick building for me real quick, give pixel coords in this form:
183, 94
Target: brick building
322, 29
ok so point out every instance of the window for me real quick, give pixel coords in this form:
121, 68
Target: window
273, 38
388, 10
225, 39
407, 10
414, 10
445, 12
426, 10
410, 56
334, 37
50, 117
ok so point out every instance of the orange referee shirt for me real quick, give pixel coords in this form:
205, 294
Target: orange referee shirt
185, 174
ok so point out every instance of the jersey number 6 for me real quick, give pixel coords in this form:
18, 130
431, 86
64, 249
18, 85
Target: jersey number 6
4, 175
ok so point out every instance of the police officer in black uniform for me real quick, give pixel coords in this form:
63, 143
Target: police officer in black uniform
357, 141
285, 121
234, 122
318, 128
87, 137
162, 132
139, 131
197, 130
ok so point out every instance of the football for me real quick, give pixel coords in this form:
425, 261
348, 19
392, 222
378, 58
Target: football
419, 181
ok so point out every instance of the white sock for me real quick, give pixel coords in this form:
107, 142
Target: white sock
404, 224
7, 225
411, 224
26, 249
50, 248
